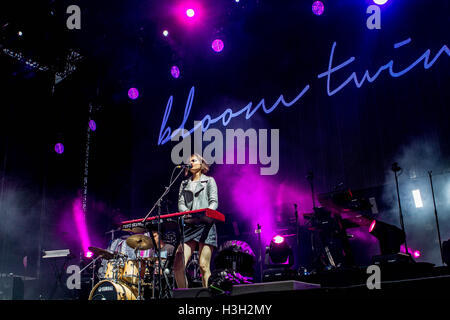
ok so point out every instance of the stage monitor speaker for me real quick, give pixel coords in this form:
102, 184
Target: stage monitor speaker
11, 288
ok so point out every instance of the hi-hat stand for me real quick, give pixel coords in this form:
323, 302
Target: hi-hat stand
436, 216
395, 168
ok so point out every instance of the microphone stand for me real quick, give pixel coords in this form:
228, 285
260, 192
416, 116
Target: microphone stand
436, 215
158, 204
93, 270
310, 177
395, 168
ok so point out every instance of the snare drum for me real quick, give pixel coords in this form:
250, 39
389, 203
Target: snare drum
109, 290
130, 272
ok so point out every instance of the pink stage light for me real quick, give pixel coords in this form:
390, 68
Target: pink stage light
80, 223
318, 8
217, 45
372, 225
88, 254
278, 239
133, 93
190, 13
92, 125
59, 148
175, 72
415, 253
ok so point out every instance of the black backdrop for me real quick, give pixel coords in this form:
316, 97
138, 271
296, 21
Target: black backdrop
271, 48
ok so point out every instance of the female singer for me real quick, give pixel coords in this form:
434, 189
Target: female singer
197, 192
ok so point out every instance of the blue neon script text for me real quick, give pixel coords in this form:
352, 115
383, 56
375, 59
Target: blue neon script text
165, 133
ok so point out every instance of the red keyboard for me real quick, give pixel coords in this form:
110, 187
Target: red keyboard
196, 217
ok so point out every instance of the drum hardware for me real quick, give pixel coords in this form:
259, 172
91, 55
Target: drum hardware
158, 204
93, 270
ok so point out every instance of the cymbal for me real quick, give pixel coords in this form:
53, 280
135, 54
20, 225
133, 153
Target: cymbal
139, 241
108, 255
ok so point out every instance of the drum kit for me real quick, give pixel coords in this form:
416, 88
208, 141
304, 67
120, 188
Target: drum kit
126, 274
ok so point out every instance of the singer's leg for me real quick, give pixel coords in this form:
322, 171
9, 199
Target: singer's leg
179, 268
205, 252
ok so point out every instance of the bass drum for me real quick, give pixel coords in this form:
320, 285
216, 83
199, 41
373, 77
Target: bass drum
109, 290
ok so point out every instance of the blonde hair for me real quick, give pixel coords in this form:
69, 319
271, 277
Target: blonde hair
204, 166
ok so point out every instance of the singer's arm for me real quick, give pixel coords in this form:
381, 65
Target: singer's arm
211, 189
181, 203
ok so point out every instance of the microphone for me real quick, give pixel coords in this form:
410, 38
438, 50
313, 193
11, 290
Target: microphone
184, 166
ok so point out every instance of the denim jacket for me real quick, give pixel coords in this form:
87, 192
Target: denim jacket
204, 196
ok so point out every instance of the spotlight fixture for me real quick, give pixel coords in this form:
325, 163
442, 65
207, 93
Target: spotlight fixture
190, 13
279, 252
59, 148
133, 93
217, 45
390, 237
417, 198
165, 33
318, 8
92, 125
175, 72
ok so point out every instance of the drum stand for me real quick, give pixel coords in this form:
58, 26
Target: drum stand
156, 245
93, 270
139, 260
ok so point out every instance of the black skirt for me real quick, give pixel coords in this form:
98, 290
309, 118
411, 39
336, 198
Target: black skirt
202, 233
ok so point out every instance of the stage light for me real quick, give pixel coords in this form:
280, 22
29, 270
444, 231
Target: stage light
416, 254
190, 13
88, 254
217, 45
165, 33
279, 251
278, 239
133, 93
92, 125
372, 225
390, 237
59, 148
380, 2
19, 33
175, 72
417, 198
318, 8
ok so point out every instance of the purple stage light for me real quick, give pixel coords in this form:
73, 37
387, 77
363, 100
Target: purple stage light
217, 45
318, 7
190, 13
165, 33
92, 125
278, 239
59, 148
416, 254
175, 72
88, 254
133, 93
80, 223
